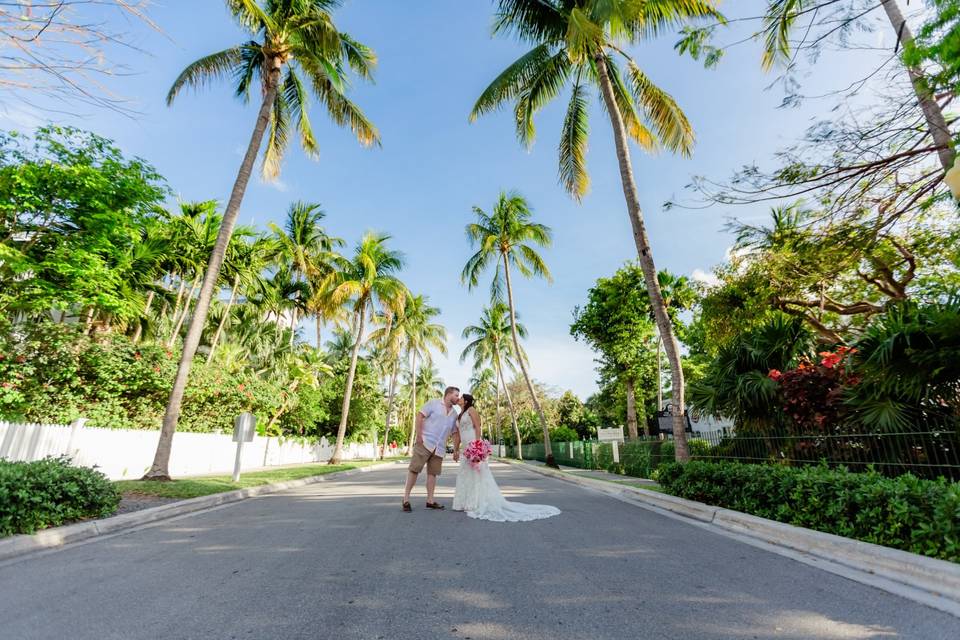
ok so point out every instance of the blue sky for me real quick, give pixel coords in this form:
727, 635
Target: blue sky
436, 56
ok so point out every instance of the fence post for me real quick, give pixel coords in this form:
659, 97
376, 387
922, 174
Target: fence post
75, 426
616, 451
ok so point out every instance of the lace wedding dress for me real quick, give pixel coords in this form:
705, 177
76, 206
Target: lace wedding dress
479, 496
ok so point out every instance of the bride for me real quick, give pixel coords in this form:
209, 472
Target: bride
477, 492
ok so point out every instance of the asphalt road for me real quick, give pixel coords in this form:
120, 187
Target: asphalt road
340, 560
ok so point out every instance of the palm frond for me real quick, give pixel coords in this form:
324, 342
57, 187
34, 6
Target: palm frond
215, 66
543, 87
509, 84
297, 99
663, 113
573, 145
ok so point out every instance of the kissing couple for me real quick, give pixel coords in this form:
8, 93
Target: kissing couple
477, 493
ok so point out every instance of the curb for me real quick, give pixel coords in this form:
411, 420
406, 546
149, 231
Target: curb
19, 545
929, 581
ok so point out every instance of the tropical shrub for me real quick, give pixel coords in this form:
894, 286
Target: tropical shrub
51, 492
563, 433
906, 512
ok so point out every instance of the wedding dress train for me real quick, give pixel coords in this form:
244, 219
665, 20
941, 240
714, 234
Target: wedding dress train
478, 494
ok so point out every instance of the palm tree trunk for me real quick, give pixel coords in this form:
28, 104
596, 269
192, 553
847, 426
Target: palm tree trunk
348, 392
413, 401
223, 320
671, 346
176, 306
632, 431
319, 342
496, 421
659, 373
183, 316
146, 309
932, 112
547, 450
159, 470
390, 399
513, 415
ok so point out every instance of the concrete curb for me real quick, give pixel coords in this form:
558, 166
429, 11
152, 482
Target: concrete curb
19, 545
930, 581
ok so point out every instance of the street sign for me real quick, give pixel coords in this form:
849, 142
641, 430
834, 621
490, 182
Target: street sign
614, 434
244, 427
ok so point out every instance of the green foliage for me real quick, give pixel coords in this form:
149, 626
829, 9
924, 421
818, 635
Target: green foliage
71, 212
49, 493
938, 41
563, 433
56, 373
921, 516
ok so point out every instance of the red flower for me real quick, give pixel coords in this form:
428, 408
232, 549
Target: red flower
775, 375
830, 360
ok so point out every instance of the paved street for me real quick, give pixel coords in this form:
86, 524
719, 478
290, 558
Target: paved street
339, 560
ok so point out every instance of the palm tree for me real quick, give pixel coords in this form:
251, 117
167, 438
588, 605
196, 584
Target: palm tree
244, 263
484, 387
490, 343
367, 282
678, 294
410, 331
422, 335
298, 37
506, 238
311, 253
580, 41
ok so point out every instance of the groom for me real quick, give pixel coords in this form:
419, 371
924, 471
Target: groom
434, 423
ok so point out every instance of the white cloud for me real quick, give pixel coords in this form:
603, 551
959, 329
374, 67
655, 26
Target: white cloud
706, 277
558, 362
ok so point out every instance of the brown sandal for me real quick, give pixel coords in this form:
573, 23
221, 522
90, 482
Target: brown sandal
435, 505
407, 508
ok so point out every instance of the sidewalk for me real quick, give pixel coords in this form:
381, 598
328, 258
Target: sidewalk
606, 476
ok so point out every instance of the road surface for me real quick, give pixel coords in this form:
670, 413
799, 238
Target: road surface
340, 560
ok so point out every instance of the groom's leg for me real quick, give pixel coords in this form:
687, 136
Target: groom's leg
431, 485
411, 480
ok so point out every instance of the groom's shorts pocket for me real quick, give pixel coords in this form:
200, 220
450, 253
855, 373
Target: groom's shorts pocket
424, 457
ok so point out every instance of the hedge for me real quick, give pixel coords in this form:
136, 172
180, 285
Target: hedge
906, 512
51, 492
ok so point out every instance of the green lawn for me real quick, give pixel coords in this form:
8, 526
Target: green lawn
206, 485
622, 480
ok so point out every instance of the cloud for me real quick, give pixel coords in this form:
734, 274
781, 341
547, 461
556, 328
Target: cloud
556, 361
706, 277
277, 184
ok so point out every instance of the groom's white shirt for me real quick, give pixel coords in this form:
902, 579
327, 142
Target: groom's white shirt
437, 424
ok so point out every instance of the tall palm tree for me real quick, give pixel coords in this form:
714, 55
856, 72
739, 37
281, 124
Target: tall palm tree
490, 343
369, 284
310, 251
507, 238
422, 336
579, 42
293, 36
483, 387
244, 265
410, 331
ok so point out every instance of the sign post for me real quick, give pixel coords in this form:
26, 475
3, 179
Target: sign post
614, 436
244, 428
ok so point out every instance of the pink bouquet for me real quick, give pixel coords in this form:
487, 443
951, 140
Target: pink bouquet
477, 451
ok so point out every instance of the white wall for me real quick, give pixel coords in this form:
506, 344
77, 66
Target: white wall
127, 454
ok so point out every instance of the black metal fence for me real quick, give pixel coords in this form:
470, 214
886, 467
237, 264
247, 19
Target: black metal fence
927, 454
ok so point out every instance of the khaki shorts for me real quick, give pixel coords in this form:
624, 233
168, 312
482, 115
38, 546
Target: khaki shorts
424, 457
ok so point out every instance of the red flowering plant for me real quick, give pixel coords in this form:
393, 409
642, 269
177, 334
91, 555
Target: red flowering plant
812, 392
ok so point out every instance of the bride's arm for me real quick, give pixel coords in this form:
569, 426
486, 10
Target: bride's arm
477, 425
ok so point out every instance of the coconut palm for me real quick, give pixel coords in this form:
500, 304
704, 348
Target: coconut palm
309, 250
292, 40
244, 264
421, 337
491, 343
483, 387
412, 331
507, 238
579, 42
368, 283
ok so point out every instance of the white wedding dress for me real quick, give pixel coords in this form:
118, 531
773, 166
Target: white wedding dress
479, 496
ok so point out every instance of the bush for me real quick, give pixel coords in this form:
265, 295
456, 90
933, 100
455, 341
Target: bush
51, 492
906, 512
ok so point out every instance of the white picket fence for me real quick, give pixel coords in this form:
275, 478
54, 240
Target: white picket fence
126, 453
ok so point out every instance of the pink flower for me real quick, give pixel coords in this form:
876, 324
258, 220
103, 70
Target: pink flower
775, 375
